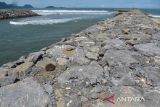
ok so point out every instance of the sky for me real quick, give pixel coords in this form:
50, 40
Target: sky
90, 3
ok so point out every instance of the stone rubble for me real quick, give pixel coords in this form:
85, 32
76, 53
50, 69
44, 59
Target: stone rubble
120, 57
8, 14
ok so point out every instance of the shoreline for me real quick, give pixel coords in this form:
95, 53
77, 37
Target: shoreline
10, 14
156, 20
111, 57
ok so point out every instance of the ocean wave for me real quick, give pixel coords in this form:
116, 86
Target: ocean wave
155, 16
48, 12
43, 21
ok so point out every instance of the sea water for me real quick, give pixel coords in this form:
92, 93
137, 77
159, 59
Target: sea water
22, 36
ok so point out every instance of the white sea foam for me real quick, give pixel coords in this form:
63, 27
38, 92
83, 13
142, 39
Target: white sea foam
42, 21
48, 12
155, 16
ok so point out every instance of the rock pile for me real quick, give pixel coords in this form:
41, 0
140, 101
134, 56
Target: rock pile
119, 57
7, 14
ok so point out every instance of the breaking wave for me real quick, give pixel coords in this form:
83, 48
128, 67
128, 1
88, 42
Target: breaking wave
43, 21
155, 16
48, 12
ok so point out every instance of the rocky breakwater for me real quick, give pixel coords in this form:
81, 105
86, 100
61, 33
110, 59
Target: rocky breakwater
7, 14
119, 57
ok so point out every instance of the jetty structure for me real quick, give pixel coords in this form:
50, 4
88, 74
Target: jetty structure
10, 13
119, 57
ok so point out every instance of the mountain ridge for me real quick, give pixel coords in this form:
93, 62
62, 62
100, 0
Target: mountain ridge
4, 5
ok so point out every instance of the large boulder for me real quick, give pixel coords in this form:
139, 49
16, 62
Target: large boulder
79, 57
119, 57
149, 49
152, 97
5, 79
92, 52
22, 70
113, 44
34, 57
60, 51
26, 93
93, 73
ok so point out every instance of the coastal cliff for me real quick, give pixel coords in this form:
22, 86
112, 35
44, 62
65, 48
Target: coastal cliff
119, 57
8, 14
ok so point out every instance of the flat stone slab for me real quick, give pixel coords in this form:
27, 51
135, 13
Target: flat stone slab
26, 93
119, 57
93, 73
149, 49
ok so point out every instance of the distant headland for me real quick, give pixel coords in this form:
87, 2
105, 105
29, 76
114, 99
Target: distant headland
4, 5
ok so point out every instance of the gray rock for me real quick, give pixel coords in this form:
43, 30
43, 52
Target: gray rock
26, 93
21, 60
10, 65
62, 61
83, 41
84, 99
127, 81
119, 57
118, 72
106, 69
34, 57
152, 98
74, 102
94, 49
79, 57
3, 72
22, 70
60, 51
149, 49
94, 92
113, 43
48, 88
99, 37
33, 71
10, 14
153, 74
5, 78
44, 62
156, 36
92, 52
92, 72
91, 55
125, 31
141, 37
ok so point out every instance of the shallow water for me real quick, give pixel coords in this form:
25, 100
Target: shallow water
21, 36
